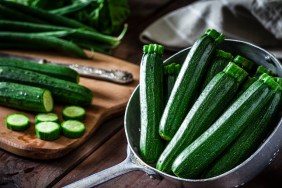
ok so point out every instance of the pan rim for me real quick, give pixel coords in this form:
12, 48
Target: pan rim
233, 170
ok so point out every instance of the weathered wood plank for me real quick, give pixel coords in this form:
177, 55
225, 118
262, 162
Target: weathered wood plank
21, 172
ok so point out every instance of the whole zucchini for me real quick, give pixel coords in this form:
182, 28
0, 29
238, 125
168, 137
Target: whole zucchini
210, 104
244, 63
25, 97
279, 80
261, 69
151, 102
62, 91
170, 74
248, 140
56, 71
185, 89
219, 62
192, 161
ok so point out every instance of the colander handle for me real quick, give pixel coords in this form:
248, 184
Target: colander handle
128, 165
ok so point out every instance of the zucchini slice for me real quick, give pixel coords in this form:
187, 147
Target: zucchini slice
73, 128
47, 130
17, 122
43, 117
74, 112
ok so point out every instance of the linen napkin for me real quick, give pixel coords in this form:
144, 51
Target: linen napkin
255, 21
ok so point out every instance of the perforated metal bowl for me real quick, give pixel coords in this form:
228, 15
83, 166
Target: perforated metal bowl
233, 178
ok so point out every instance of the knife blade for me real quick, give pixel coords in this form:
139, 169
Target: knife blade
111, 75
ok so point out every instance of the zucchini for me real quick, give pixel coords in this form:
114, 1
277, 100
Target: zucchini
24, 97
17, 122
210, 104
279, 80
249, 81
248, 140
73, 129
62, 91
192, 161
52, 70
244, 63
43, 117
261, 69
170, 74
190, 76
219, 62
74, 113
47, 130
151, 102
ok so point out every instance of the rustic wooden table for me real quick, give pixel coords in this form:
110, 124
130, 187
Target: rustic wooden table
107, 146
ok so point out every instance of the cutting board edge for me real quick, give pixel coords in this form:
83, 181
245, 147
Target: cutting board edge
50, 154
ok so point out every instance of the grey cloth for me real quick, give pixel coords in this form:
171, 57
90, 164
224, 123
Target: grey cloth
255, 21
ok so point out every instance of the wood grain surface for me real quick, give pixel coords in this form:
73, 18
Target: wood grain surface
107, 146
109, 99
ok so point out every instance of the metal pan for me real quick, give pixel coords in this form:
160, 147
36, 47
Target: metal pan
233, 178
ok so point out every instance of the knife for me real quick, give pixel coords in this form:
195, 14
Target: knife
111, 75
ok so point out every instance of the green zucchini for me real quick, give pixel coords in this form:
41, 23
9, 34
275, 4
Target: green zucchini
248, 82
192, 161
185, 90
261, 69
279, 80
25, 97
248, 140
73, 129
244, 63
170, 74
47, 130
52, 70
219, 62
17, 122
210, 104
62, 91
151, 102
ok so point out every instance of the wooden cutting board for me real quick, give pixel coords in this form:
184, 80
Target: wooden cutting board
109, 100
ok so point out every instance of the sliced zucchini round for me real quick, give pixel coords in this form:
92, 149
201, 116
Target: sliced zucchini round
47, 130
74, 113
73, 128
43, 117
17, 122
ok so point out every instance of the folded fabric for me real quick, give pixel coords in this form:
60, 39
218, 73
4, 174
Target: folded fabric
255, 21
